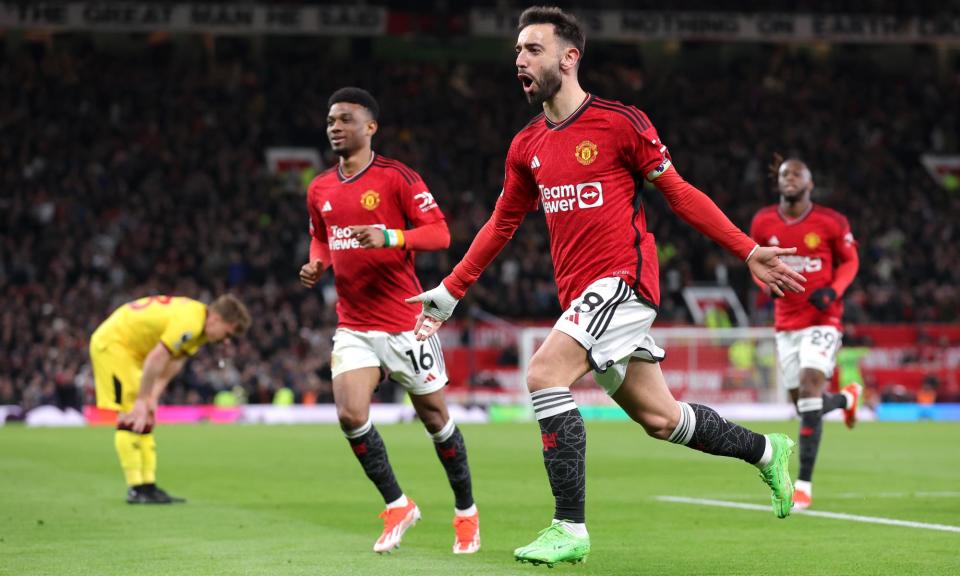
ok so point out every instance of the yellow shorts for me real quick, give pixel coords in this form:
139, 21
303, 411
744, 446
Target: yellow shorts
117, 376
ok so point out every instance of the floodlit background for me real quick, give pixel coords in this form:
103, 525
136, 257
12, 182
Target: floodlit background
154, 148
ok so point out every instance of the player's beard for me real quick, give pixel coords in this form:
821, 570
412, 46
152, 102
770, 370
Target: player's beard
547, 87
795, 197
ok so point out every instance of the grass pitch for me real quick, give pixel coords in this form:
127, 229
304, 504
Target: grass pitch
292, 500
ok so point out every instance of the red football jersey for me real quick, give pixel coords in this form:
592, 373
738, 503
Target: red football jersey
371, 283
583, 173
823, 239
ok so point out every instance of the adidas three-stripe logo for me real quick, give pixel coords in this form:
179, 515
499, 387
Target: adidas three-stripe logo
552, 401
601, 320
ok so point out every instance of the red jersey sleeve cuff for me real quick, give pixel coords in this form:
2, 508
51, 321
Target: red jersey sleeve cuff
457, 287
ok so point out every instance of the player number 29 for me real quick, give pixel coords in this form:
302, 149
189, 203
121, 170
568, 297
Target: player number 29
426, 360
823, 339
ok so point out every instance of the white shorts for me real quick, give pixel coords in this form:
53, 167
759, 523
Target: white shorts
611, 322
814, 347
417, 366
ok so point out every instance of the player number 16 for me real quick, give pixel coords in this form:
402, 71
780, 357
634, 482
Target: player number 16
426, 360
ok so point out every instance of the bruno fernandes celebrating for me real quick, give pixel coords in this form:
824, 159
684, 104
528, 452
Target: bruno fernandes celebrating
358, 212
579, 159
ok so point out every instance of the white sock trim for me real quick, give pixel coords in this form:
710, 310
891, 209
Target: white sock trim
351, 434
683, 433
804, 486
444, 433
849, 398
552, 401
578, 529
471, 511
767, 453
399, 502
810, 404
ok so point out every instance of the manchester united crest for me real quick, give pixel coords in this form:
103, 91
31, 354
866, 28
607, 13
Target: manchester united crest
586, 152
370, 199
811, 240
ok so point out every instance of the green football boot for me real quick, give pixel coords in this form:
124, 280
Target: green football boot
776, 474
554, 544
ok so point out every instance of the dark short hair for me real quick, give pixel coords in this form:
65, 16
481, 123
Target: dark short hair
356, 96
565, 26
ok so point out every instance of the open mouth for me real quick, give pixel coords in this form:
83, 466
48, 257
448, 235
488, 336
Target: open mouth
526, 80
336, 140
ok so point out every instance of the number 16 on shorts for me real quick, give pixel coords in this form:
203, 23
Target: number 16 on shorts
423, 363
424, 370
417, 366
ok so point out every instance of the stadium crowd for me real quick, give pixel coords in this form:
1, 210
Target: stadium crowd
140, 173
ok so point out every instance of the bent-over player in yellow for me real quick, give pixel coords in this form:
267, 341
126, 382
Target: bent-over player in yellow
135, 353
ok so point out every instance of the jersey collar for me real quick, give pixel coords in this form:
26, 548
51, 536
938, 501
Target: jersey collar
343, 178
791, 221
571, 118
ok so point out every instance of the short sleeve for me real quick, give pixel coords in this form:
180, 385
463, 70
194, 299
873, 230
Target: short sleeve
318, 229
520, 192
646, 153
418, 204
182, 335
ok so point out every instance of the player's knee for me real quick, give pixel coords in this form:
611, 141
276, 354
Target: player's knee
538, 377
657, 426
811, 385
433, 420
351, 419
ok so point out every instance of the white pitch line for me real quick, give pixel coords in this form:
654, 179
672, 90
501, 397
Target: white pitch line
854, 495
818, 513
858, 495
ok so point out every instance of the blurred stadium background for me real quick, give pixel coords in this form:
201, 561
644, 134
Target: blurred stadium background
151, 149
164, 148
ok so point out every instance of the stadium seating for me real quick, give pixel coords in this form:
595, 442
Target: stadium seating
143, 172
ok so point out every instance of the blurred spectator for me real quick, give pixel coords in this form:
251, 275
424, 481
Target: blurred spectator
928, 391
133, 172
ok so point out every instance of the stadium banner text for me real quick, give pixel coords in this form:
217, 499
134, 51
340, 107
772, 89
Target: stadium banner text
630, 25
213, 18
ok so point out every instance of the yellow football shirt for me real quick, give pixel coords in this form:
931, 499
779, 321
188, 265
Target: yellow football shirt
138, 326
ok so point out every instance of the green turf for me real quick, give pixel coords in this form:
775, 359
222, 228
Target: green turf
292, 500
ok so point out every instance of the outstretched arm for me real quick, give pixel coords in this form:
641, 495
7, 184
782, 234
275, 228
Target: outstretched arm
489, 242
438, 303
698, 210
519, 196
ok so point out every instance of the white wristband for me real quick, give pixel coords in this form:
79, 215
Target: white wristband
747, 259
